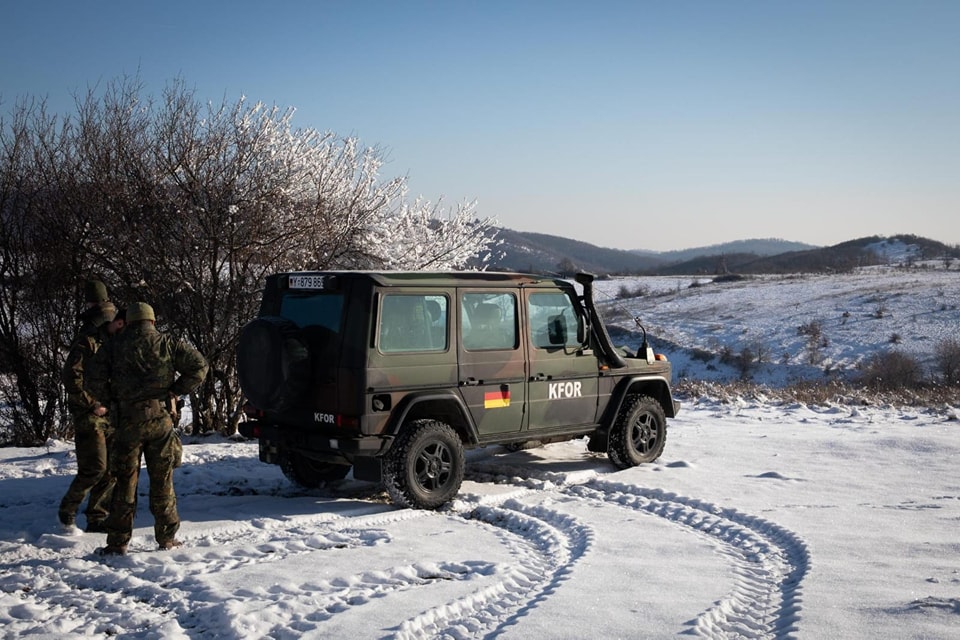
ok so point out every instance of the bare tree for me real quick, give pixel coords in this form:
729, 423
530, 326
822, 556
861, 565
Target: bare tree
34, 329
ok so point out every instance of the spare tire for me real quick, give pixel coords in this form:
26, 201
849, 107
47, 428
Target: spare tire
273, 363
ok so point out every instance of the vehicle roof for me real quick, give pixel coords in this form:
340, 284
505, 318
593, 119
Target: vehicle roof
438, 278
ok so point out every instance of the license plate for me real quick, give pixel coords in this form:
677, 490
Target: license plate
308, 282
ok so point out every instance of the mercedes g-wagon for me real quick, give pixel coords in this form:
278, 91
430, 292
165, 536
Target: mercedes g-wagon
394, 374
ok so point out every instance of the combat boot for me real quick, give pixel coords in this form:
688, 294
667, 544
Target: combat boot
166, 545
111, 550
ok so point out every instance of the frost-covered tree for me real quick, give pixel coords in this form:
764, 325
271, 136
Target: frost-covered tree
422, 235
188, 206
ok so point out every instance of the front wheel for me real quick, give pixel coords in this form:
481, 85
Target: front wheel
639, 434
424, 467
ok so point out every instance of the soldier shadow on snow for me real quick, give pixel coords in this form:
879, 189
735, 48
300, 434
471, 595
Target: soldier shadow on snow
28, 505
222, 492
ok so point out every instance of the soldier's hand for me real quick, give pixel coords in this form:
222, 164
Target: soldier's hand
100, 411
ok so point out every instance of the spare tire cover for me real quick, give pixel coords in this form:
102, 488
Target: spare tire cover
273, 363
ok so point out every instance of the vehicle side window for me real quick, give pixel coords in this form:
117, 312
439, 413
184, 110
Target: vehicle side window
553, 321
413, 323
489, 321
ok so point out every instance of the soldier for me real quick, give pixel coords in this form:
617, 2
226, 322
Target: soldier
138, 372
92, 429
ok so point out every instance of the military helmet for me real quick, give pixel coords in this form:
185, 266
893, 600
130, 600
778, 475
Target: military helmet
102, 313
140, 311
95, 292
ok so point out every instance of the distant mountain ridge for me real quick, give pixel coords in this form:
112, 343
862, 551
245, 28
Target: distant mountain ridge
758, 247
543, 253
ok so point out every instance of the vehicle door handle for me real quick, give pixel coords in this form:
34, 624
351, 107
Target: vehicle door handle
540, 377
470, 382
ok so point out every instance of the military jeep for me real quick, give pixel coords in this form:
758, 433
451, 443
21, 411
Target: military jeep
395, 374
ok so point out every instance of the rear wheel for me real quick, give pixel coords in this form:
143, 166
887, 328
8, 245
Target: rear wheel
639, 434
311, 474
424, 467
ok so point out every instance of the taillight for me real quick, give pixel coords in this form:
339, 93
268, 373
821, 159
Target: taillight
348, 422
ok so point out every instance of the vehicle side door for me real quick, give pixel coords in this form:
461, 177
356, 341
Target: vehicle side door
563, 381
492, 371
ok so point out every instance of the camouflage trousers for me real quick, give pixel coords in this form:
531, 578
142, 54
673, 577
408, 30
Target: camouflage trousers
93, 439
155, 441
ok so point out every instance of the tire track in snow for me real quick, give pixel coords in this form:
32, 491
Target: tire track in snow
545, 543
769, 560
769, 563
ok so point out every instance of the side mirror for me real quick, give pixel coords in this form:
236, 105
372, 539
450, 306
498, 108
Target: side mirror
557, 330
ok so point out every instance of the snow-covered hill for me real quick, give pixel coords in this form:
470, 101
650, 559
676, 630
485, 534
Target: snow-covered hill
802, 327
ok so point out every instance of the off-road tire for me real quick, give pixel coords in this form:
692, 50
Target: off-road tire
273, 363
311, 474
639, 433
424, 467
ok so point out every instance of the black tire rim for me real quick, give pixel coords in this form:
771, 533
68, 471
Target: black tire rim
645, 433
433, 466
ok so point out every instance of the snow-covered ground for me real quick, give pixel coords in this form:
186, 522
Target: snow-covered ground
761, 520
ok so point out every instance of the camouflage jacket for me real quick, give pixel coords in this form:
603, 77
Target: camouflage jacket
141, 363
81, 353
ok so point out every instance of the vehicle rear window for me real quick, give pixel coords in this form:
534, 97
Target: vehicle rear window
313, 309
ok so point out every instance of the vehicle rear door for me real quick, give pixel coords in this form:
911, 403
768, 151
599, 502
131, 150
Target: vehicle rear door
492, 370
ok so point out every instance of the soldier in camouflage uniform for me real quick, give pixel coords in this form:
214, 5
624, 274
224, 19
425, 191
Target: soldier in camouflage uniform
92, 430
138, 373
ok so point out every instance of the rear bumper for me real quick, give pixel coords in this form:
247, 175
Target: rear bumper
311, 443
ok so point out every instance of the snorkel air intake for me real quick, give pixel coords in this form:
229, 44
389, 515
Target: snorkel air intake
599, 329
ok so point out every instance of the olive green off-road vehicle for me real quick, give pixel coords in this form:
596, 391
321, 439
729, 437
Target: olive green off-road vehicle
394, 374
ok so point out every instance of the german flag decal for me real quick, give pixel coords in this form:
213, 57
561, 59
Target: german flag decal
496, 399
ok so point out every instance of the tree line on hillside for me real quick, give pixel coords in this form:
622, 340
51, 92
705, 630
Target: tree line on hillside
186, 206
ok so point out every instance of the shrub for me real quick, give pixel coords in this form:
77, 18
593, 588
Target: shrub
729, 277
745, 363
726, 355
892, 370
701, 355
812, 329
816, 341
638, 291
947, 354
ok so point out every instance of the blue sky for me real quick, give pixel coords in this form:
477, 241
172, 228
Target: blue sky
637, 125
